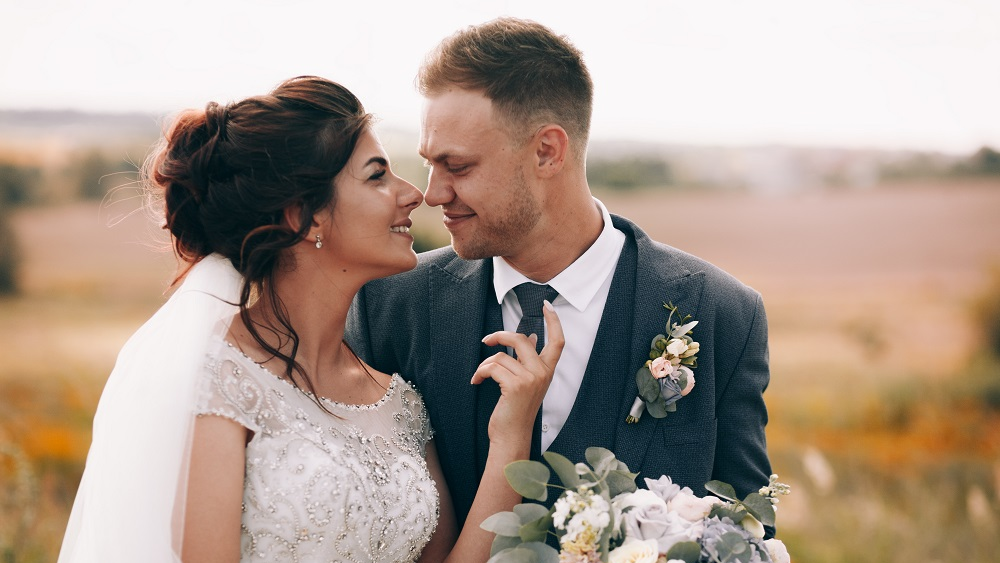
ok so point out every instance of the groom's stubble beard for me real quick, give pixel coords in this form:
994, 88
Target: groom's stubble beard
501, 233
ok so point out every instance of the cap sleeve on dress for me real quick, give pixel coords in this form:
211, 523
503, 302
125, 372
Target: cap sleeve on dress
416, 413
228, 390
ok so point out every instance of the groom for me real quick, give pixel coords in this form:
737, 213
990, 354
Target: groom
505, 129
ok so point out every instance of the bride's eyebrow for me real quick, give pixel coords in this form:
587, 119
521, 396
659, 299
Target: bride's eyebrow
377, 160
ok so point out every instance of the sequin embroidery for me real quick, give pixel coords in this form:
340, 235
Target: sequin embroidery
352, 487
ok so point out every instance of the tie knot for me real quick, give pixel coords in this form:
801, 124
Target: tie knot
530, 296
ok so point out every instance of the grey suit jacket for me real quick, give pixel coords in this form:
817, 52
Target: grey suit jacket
427, 325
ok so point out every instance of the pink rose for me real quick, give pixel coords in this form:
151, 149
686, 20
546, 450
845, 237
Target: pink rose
661, 367
690, 380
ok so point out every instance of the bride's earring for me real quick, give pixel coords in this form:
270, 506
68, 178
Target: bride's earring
319, 243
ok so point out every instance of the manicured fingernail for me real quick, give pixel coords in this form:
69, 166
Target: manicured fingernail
548, 306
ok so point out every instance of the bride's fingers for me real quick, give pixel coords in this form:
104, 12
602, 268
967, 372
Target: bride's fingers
556, 340
523, 345
498, 367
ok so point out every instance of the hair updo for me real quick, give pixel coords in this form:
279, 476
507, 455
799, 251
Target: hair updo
227, 174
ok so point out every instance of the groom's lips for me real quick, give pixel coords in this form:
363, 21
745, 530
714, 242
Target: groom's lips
453, 220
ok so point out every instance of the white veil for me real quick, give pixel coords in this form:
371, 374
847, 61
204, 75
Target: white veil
130, 504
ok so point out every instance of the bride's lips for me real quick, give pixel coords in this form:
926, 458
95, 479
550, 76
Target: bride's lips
402, 227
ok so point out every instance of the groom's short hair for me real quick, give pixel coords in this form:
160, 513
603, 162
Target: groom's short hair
531, 75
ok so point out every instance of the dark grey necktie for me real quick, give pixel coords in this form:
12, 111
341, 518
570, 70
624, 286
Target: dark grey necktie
530, 296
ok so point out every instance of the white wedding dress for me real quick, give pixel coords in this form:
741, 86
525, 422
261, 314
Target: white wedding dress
319, 487
351, 486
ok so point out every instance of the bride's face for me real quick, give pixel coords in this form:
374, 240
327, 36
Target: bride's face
369, 228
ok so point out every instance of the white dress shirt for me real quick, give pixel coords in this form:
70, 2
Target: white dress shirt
583, 291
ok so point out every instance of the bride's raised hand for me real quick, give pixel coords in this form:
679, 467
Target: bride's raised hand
523, 381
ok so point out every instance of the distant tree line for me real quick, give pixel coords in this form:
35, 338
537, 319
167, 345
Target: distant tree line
629, 173
985, 162
88, 175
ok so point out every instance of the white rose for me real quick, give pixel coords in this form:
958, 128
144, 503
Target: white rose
664, 487
655, 522
777, 550
641, 498
692, 508
635, 551
677, 347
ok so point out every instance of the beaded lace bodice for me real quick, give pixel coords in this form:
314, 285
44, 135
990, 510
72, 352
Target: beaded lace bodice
350, 487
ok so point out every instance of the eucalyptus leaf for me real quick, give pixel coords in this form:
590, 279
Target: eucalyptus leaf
722, 490
501, 543
513, 555
601, 459
530, 511
649, 388
537, 530
657, 408
620, 482
731, 548
503, 524
686, 551
529, 478
533, 552
672, 407
727, 511
656, 344
543, 553
564, 468
760, 508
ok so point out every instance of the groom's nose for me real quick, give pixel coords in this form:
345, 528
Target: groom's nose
439, 190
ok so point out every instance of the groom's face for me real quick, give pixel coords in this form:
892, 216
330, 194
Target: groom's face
477, 176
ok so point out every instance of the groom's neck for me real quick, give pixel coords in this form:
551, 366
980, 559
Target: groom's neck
565, 231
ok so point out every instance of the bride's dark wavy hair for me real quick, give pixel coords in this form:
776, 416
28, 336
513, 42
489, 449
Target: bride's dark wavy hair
227, 174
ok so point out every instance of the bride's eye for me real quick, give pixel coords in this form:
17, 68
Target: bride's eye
378, 175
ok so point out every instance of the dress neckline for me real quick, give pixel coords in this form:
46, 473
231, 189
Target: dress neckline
389, 392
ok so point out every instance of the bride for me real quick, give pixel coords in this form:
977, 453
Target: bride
237, 424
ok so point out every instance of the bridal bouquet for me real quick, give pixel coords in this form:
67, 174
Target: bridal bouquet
601, 517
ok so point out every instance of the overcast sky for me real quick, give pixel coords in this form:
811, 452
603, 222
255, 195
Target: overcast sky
921, 74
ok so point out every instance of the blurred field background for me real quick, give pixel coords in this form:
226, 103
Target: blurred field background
880, 272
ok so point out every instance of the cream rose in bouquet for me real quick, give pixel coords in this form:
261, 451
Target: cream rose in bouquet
601, 516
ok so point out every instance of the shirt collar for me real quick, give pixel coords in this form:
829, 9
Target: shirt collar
580, 281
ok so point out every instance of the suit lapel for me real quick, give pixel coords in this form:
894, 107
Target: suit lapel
591, 420
659, 278
457, 309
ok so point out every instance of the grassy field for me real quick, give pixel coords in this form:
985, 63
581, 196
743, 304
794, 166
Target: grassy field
878, 419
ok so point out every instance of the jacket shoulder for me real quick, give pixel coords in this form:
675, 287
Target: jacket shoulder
405, 282
673, 262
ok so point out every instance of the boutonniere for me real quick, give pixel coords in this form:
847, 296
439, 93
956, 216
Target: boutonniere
667, 375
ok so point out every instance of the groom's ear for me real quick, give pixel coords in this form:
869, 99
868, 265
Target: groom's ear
551, 150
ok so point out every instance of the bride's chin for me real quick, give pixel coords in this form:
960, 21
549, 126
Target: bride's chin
398, 267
